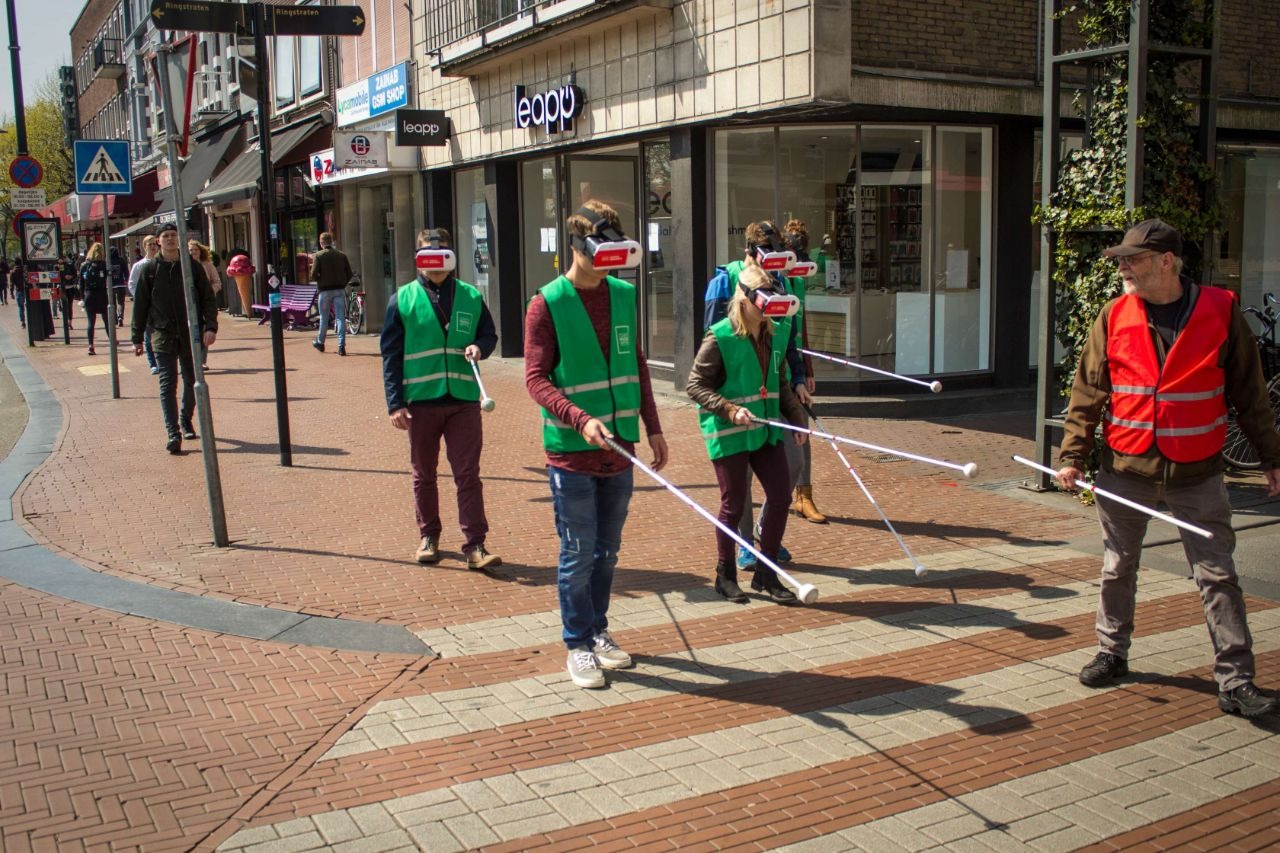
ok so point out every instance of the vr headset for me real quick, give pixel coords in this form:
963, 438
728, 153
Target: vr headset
435, 258
608, 248
772, 303
775, 257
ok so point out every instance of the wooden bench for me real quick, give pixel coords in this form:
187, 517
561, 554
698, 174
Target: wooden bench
296, 304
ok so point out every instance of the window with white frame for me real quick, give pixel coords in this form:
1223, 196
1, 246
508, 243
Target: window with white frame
282, 69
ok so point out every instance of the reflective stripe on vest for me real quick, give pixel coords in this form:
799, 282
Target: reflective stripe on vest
742, 378
609, 391
1179, 407
433, 362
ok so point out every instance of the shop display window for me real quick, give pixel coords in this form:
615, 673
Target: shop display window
471, 221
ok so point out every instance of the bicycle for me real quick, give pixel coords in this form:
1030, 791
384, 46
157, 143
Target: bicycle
1237, 450
355, 307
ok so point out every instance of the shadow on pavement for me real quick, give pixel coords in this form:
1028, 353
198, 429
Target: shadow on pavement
935, 530
237, 446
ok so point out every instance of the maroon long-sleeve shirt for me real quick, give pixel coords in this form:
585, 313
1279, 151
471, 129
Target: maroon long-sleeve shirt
542, 353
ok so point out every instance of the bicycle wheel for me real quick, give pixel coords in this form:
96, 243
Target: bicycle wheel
1237, 449
355, 317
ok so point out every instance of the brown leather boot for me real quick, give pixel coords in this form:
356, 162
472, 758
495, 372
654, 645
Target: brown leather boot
804, 506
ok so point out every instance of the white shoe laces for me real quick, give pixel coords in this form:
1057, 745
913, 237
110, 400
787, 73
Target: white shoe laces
604, 641
584, 660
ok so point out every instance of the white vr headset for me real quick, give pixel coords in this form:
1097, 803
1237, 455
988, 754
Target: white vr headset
435, 258
775, 257
608, 248
772, 303
802, 269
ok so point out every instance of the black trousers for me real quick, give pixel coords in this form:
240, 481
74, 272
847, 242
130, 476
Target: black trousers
169, 364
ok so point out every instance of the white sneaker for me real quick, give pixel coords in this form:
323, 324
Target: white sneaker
584, 669
609, 654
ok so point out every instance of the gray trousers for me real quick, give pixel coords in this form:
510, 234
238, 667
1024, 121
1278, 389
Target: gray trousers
1204, 504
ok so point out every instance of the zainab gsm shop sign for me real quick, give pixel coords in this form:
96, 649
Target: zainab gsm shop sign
554, 110
383, 92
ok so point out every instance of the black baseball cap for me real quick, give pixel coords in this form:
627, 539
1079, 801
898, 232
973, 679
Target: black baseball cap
1151, 235
166, 226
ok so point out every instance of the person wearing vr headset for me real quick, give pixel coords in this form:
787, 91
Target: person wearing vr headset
766, 249
740, 372
585, 367
433, 325
796, 234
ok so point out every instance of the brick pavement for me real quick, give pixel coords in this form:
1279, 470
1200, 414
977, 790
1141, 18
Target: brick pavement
898, 712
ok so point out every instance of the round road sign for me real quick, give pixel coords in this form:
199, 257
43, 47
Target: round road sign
26, 171
21, 215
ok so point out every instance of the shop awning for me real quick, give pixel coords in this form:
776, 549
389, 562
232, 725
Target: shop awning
140, 203
146, 226
241, 178
211, 154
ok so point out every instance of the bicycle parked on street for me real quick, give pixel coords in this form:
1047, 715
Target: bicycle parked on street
355, 307
1237, 449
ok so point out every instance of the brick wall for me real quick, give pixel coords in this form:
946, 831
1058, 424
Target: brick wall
1251, 49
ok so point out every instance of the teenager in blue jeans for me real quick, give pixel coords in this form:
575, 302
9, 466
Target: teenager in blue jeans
602, 390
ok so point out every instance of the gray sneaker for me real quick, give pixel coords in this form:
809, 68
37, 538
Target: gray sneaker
609, 654
584, 669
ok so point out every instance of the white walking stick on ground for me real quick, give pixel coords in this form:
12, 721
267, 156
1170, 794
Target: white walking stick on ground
935, 386
920, 570
1112, 496
806, 592
968, 468
486, 402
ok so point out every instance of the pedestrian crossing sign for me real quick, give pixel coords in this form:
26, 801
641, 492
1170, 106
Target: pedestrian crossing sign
103, 167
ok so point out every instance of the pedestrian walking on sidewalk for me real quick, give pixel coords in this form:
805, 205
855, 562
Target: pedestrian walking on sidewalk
203, 255
160, 306
585, 367
150, 248
19, 286
1160, 365
762, 238
433, 325
119, 276
4, 281
796, 234
93, 290
331, 271
740, 371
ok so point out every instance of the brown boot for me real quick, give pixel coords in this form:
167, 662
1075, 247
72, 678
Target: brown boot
804, 507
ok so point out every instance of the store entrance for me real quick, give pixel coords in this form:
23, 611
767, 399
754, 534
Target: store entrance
611, 179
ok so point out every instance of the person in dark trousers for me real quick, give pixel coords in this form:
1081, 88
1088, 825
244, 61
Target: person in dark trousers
4, 281
740, 371
19, 291
584, 365
433, 324
1159, 367
160, 304
93, 290
331, 271
119, 282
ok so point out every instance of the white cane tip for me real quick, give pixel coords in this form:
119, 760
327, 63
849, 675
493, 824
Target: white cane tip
921, 571
970, 469
935, 386
807, 593
486, 404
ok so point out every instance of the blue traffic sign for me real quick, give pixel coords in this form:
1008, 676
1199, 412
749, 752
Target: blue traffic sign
26, 171
103, 167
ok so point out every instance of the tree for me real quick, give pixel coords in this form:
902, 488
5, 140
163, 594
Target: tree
45, 143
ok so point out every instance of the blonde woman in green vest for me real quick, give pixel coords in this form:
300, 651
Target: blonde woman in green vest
585, 367
434, 324
741, 371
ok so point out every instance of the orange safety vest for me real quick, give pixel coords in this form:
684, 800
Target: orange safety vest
1182, 406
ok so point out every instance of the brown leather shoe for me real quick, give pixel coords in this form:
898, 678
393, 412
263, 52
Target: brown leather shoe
479, 559
428, 551
804, 506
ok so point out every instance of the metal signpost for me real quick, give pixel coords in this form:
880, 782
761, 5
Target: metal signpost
262, 20
103, 166
212, 477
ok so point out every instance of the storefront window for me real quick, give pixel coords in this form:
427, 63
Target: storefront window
471, 219
657, 240
540, 224
745, 178
961, 250
1248, 259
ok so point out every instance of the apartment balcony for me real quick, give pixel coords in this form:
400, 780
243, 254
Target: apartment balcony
108, 59
465, 37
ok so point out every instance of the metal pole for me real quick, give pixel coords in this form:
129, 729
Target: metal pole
111, 303
269, 221
19, 119
213, 480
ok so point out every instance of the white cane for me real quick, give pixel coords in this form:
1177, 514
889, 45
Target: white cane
919, 568
968, 468
935, 386
486, 402
1112, 496
807, 593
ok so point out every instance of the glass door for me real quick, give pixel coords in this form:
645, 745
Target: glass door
614, 180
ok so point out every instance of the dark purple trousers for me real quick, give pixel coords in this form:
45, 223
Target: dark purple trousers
459, 425
733, 473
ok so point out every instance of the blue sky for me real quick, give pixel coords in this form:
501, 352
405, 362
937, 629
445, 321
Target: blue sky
44, 35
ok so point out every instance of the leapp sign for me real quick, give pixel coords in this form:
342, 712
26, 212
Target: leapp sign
382, 93
422, 127
554, 110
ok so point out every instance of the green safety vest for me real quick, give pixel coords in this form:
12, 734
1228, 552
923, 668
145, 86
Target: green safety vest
794, 286
609, 392
433, 362
742, 387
